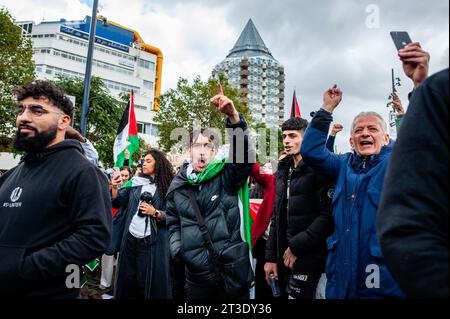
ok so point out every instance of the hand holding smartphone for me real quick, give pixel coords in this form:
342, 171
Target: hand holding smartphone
116, 177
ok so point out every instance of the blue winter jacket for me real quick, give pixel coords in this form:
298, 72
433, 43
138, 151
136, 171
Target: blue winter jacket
355, 265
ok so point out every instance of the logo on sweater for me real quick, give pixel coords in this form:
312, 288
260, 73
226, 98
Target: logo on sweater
214, 198
15, 195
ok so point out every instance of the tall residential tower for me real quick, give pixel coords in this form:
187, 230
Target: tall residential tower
251, 67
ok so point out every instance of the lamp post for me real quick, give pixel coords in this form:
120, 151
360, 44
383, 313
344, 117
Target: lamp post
87, 75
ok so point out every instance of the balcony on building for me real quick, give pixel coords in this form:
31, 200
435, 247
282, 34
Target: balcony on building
243, 73
244, 63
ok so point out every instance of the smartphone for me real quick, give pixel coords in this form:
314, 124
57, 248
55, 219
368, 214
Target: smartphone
401, 39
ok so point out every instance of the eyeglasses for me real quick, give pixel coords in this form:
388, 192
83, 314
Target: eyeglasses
208, 146
36, 110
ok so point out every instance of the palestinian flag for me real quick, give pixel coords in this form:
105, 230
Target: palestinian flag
246, 221
127, 134
295, 109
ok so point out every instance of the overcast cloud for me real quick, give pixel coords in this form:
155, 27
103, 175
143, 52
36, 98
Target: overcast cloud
319, 43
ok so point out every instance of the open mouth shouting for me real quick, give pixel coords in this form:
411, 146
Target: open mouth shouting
202, 163
366, 144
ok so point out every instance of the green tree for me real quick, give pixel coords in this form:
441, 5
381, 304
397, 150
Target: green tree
16, 68
103, 116
180, 107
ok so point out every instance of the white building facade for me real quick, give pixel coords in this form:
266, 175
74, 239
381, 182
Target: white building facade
60, 48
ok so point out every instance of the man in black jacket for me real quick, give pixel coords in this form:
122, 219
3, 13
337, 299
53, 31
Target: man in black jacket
215, 184
301, 222
412, 219
55, 207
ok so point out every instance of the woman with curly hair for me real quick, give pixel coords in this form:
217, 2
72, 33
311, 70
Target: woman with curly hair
143, 270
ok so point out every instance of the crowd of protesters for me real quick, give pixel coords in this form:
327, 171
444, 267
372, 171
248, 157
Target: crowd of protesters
371, 223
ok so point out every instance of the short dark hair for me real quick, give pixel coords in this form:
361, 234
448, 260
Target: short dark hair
44, 89
210, 134
295, 124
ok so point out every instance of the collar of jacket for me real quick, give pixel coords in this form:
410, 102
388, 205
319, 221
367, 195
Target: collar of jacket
49, 151
363, 164
180, 179
285, 164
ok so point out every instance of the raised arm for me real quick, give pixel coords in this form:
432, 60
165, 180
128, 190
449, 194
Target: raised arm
314, 151
241, 156
415, 62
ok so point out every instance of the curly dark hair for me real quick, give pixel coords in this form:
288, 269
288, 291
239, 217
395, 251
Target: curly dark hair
44, 89
295, 124
164, 172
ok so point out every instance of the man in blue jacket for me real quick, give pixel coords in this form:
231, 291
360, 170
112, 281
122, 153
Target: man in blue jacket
355, 266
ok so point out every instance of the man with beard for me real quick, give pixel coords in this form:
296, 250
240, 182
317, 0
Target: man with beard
213, 183
55, 205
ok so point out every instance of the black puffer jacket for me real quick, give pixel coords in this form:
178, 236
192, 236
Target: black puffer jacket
218, 202
309, 221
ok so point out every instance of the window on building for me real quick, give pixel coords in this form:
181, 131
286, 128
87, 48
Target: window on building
146, 64
148, 85
140, 127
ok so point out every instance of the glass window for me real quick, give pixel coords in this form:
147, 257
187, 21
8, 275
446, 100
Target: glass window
140, 127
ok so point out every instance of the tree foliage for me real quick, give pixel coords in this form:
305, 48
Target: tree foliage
103, 116
16, 68
189, 104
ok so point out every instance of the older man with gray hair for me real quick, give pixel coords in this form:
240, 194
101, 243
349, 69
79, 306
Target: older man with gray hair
355, 267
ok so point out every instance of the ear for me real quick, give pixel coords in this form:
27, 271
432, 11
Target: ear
64, 122
387, 139
352, 145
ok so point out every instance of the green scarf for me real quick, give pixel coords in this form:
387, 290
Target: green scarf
211, 170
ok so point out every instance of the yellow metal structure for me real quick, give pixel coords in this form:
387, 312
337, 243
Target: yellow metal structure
147, 48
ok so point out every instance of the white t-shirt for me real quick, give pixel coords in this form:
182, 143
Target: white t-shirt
137, 226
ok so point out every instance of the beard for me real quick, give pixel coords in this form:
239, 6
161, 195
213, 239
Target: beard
36, 143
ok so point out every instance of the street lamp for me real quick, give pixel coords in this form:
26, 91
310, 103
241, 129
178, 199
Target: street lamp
87, 74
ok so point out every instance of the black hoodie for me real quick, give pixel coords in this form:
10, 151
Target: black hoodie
55, 210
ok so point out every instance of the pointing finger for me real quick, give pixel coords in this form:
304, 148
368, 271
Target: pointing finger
219, 88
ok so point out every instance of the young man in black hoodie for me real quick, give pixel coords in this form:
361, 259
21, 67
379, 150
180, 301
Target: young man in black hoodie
301, 220
55, 207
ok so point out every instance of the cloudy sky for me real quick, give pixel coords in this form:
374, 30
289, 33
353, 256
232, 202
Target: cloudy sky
319, 42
